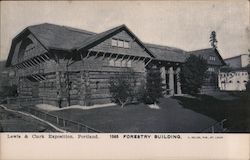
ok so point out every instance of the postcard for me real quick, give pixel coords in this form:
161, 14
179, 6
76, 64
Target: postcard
125, 80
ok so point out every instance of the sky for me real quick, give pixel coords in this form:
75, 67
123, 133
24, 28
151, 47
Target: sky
184, 24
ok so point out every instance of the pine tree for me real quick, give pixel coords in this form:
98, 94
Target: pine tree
192, 74
213, 41
154, 86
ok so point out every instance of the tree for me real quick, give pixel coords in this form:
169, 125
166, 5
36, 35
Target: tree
248, 68
192, 74
122, 88
213, 41
154, 87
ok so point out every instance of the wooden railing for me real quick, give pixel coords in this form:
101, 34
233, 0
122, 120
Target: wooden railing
27, 105
217, 127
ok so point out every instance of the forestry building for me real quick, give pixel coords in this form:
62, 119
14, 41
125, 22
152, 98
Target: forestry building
56, 63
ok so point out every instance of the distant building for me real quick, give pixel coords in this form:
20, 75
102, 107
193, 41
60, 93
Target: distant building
235, 80
239, 61
215, 62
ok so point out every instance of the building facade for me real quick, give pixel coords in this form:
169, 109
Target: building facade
234, 80
239, 61
215, 62
236, 76
64, 66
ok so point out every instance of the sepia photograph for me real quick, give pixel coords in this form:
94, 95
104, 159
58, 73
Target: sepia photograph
125, 67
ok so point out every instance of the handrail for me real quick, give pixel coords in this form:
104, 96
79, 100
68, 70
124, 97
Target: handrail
58, 117
77, 123
213, 125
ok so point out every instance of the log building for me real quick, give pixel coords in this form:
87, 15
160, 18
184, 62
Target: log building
63, 66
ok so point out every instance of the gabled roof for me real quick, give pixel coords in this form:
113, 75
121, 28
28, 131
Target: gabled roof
64, 38
165, 53
97, 38
59, 37
205, 54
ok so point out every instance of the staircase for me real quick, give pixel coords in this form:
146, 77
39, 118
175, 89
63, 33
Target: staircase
209, 89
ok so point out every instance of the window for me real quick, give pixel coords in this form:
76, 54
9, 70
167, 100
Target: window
211, 58
118, 63
124, 63
211, 69
126, 44
120, 43
111, 62
114, 42
129, 63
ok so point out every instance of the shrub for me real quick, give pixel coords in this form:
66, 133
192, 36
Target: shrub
248, 88
9, 91
122, 88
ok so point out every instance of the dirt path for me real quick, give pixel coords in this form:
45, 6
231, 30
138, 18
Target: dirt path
34, 117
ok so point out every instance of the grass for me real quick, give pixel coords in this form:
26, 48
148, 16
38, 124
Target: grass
139, 118
236, 111
11, 122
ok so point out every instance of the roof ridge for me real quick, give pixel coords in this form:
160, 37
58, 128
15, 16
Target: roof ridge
200, 49
159, 45
236, 56
79, 30
97, 35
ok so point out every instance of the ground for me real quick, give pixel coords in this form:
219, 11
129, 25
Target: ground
183, 114
171, 117
236, 110
11, 122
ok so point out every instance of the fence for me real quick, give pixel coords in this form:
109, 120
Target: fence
27, 105
23, 101
216, 127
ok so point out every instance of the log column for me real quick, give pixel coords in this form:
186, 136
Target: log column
178, 80
58, 89
87, 89
163, 76
82, 89
171, 80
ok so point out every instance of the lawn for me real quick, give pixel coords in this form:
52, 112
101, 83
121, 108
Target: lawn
11, 122
139, 118
236, 111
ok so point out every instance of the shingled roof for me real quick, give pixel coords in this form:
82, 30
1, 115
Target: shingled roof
64, 38
205, 53
67, 38
165, 53
60, 37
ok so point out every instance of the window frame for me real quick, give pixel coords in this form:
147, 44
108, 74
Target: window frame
114, 42
120, 43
